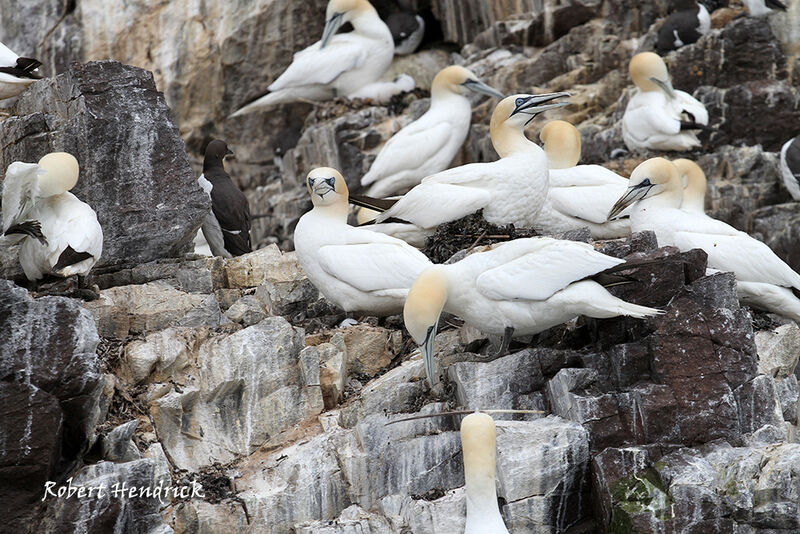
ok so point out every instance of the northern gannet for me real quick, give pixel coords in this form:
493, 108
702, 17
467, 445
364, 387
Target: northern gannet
382, 92
479, 446
16, 73
694, 185
356, 269
763, 279
659, 117
790, 166
428, 145
579, 195
685, 26
519, 287
338, 64
757, 8
227, 226
71, 238
407, 29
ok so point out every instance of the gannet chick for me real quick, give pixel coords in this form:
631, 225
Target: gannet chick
72, 239
694, 185
407, 29
519, 287
338, 64
227, 226
479, 446
356, 269
757, 8
659, 117
763, 279
382, 92
686, 25
16, 73
790, 166
579, 195
428, 145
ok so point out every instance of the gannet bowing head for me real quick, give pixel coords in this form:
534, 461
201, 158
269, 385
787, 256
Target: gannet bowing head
649, 72
326, 187
650, 178
340, 11
693, 180
458, 80
59, 173
562, 144
423, 306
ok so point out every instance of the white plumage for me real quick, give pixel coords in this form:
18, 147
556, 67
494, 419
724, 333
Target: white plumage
10, 84
382, 92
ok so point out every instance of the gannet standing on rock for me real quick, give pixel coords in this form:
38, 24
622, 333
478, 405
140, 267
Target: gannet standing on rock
16, 73
790, 166
763, 279
686, 25
479, 447
757, 8
338, 64
659, 117
356, 269
519, 287
429, 144
227, 226
579, 195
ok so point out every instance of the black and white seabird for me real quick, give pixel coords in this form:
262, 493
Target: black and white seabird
227, 226
407, 29
685, 26
16, 73
756, 8
790, 166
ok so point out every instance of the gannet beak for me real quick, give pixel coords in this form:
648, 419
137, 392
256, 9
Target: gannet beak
480, 87
665, 86
633, 194
427, 350
331, 27
533, 105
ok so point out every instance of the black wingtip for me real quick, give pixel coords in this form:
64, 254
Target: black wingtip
29, 228
377, 204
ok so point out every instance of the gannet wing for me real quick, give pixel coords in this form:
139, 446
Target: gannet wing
20, 191
535, 269
585, 192
313, 65
645, 122
430, 204
689, 104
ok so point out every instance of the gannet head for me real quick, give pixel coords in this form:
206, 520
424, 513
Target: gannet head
326, 187
424, 304
649, 72
562, 144
458, 80
512, 114
59, 173
216, 151
479, 446
694, 181
339, 12
650, 178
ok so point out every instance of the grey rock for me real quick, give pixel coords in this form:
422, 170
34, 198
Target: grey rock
246, 311
117, 445
778, 350
779, 227
788, 395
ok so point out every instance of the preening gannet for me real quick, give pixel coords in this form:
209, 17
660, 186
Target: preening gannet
763, 279
71, 238
519, 287
790, 166
659, 117
579, 195
756, 8
694, 185
16, 73
338, 64
429, 144
356, 269
407, 29
685, 26
382, 92
479, 446
227, 226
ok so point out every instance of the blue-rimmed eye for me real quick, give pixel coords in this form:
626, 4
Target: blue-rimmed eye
645, 182
518, 102
330, 181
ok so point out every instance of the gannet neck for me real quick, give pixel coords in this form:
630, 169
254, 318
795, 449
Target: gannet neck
367, 22
508, 139
478, 443
562, 144
60, 173
335, 212
694, 191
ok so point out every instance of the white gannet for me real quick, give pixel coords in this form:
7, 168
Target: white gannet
519, 287
227, 226
763, 279
407, 29
694, 185
337, 64
659, 117
756, 8
685, 26
479, 446
356, 269
16, 73
72, 239
790, 166
382, 92
428, 145
510, 190
579, 195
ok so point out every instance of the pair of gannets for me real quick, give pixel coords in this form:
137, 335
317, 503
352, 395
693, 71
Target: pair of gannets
657, 198
685, 26
67, 240
16, 73
659, 117
338, 64
790, 166
428, 145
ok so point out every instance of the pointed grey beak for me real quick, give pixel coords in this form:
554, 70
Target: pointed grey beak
331, 27
478, 86
427, 350
631, 196
536, 104
665, 86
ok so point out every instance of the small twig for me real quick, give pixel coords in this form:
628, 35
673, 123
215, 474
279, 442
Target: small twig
462, 412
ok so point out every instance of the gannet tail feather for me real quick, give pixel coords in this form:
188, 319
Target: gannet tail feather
593, 300
282, 96
377, 204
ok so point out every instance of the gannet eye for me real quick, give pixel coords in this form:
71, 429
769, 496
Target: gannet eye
518, 102
330, 181
645, 182
310, 182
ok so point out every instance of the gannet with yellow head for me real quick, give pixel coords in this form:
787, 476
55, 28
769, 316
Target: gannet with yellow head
356, 269
338, 64
658, 117
428, 145
16, 73
519, 287
763, 279
694, 185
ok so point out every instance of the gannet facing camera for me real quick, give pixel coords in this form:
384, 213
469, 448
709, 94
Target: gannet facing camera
72, 239
479, 447
428, 145
337, 64
763, 279
16, 73
519, 287
356, 269
659, 117
790, 166
579, 195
